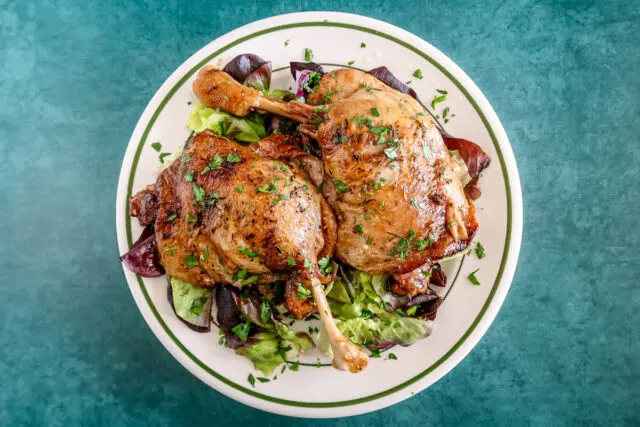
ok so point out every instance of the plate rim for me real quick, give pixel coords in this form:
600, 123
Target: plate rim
490, 307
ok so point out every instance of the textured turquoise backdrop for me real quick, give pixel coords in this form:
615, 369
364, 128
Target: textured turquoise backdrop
562, 75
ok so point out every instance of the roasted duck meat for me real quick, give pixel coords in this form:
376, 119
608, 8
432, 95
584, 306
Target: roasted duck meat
226, 214
387, 173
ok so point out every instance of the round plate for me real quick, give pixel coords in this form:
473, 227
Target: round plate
336, 41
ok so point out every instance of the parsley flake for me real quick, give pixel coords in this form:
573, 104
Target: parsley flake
473, 279
340, 186
418, 74
156, 146
303, 293
249, 253
308, 55
480, 250
231, 158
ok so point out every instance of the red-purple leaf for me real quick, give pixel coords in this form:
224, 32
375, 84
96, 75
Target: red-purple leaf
260, 79
242, 66
475, 159
385, 76
143, 258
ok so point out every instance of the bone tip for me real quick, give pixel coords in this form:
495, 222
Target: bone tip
354, 361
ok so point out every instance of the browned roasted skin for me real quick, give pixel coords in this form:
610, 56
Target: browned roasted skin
208, 216
387, 174
235, 99
144, 205
412, 283
415, 187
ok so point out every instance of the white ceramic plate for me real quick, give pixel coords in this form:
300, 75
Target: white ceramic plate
468, 310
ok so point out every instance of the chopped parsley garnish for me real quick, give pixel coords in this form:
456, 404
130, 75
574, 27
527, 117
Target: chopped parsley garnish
340, 186
421, 245
265, 311
307, 263
340, 140
281, 197
294, 366
437, 99
442, 91
412, 310
308, 55
303, 293
189, 176
232, 158
190, 261
291, 261
172, 217
216, 162
251, 380
249, 253
156, 146
286, 43
369, 241
241, 330
250, 280
418, 74
197, 305
393, 356
241, 274
480, 250
240, 188
198, 192
191, 219
366, 216
375, 353
162, 156
377, 130
375, 112
391, 153
362, 121
351, 62
358, 229
473, 279
325, 264
263, 379
363, 45
268, 188
280, 166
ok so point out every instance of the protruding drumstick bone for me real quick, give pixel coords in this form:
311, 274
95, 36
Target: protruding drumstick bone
346, 355
217, 89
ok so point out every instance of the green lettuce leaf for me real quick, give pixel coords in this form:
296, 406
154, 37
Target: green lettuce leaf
191, 302
363, 318
263, 352
250, 128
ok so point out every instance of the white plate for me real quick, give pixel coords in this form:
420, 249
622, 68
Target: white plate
468, 310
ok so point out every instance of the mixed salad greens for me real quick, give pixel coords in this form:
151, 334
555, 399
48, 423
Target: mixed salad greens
252, 320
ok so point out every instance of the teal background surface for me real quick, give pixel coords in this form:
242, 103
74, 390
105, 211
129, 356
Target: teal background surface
562, 76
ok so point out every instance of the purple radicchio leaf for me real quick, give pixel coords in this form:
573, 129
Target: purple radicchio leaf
143, 258
228, 314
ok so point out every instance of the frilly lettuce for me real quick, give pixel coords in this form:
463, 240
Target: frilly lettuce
250, 128
362, 303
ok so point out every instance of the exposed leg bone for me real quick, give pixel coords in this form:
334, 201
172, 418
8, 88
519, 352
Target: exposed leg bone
346, 355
